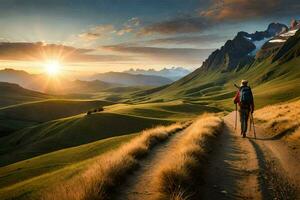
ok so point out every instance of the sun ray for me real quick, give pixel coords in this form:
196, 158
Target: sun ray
52, 67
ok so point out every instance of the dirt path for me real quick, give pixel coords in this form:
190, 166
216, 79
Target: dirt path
233, 169
245, 168
138, 185
238, 168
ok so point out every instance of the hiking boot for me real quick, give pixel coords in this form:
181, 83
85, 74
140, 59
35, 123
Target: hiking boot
244, 135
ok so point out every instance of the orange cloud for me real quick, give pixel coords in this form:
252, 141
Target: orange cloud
97, 32
239, 9
177, 25
21, 51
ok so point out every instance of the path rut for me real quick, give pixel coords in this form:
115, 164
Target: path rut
248, 168
138, 185
232, 170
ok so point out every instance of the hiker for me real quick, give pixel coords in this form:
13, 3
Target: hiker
244, 98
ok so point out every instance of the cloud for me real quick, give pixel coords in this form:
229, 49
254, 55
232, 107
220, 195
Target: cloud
171, 55
97, 32
222, 11
189, 40
40, 51
238, 10
129, 26
177, 25
104, 30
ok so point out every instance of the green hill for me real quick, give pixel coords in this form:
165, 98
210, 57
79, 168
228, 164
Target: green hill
172, 110
19, 116
68, 132
24, 179
42, 111
14, 94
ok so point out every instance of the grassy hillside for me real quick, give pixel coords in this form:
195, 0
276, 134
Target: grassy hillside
14, 94
42, 111
24, 179
173, 110
271, 83
68, 132
282, 120
19, 116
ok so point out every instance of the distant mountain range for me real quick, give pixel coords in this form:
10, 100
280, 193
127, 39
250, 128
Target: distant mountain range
129, 79
91, 84
44, 83
173, 73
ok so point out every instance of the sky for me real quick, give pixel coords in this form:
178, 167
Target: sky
116, 35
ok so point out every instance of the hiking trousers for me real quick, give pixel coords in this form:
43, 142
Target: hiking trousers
244, 116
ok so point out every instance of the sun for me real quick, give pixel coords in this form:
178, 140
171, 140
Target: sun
52, 67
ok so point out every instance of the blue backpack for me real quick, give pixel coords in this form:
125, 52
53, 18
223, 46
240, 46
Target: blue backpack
246, 97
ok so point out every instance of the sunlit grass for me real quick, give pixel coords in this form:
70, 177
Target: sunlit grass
283, 120
176, 176
109, 170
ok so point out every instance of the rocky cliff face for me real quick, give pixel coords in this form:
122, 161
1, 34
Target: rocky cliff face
289, 50
272, 46
241, 51
295, 24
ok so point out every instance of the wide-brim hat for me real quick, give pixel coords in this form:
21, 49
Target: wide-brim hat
244, 82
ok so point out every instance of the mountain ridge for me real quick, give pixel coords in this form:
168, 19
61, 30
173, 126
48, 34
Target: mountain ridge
237, 53
173, 73
128, 79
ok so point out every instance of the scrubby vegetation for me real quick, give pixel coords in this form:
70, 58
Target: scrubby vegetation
89, 112
98, 181
177, 175
282, 119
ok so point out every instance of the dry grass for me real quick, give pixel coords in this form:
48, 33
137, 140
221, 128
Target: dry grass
99, 180
282, 119
176, 177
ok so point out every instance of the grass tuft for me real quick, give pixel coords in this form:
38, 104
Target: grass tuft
282, 119
108, 171
175, 179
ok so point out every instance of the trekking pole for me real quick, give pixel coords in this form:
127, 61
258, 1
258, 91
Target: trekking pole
253, 126
235, 123
250, 124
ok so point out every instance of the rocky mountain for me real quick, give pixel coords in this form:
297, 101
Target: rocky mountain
241, 50
128, 79
290, 48
173, 73
273, 75
274, 44
295, 24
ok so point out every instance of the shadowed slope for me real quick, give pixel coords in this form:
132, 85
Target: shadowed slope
68, 132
